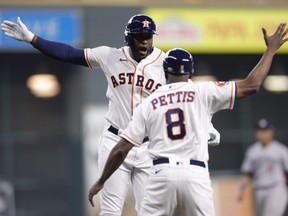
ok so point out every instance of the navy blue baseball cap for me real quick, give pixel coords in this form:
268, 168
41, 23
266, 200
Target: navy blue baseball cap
264, 124
178, 61
140, 24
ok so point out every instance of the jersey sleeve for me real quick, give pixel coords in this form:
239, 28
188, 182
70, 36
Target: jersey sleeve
98, 56
285, 158
136, 129
247, 163
61, 51
220, 96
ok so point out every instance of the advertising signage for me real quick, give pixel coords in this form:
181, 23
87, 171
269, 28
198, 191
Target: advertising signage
216, 30
62, 25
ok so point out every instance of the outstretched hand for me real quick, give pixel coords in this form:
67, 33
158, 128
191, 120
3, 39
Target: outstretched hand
93, 191
275, 41
18, 31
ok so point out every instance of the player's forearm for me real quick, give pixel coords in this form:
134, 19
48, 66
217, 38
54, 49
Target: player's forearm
244, 183
115, 159
254, 80
60, 51
257, 76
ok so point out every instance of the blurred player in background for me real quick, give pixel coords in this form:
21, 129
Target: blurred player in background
266, 164
176, 117
133, 72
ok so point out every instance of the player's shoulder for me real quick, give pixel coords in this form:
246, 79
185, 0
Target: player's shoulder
279, 145
104, 53
254, 147
158, 53
156, 49
215, 86
202, 85
105, 49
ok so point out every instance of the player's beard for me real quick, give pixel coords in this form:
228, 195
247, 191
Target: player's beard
140, 53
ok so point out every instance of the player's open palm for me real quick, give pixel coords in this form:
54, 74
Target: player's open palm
275, 41
18, 31
93, 191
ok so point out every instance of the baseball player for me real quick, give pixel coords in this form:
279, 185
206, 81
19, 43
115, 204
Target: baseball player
132, 72
175, 118
266, 163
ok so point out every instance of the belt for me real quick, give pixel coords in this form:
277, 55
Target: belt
115, 131
166, 160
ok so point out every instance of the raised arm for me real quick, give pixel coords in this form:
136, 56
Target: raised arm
252, 83
60, 51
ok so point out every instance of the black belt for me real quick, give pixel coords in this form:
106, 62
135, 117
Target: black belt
115, 131
166, 160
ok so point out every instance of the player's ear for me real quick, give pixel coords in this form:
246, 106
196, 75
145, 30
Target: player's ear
129, 40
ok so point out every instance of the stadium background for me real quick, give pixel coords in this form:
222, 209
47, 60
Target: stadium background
44, 142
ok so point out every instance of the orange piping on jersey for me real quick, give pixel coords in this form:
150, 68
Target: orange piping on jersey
141, 90
129, 139
87, 59
132, 93
232, 96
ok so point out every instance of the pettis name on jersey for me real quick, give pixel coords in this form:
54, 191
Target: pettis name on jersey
171, 98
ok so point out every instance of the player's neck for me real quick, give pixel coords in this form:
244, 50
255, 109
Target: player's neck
266, 143
174, 79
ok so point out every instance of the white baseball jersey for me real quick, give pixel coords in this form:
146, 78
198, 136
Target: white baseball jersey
267, 164
176, 117
125, 92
